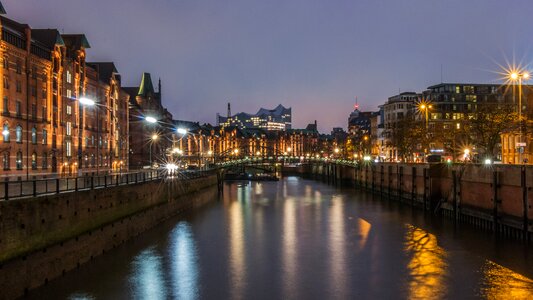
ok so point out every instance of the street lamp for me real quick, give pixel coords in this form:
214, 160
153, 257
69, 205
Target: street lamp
519, 76
152, 141
181, 131
425, 107
150, 119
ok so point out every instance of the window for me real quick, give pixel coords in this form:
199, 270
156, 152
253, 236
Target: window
6, 105
69, 93
45, 137
457, 89
33, 90
6, 62
69, 77
86, 141
93, 161
45, 161
6, 82
19, 160
43, 93
34, 161
34, 111
5, 161
5, 132
69, 148
34, 72
43, 112
69, 110
18, 134
86, 159
34, 135
18, 67
69, 128
19, 86
18, 108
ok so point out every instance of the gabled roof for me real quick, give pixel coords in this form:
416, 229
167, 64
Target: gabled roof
146, 85
48, 37
105, 70
76, 41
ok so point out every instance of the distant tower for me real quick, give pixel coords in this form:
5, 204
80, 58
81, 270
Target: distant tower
356, 106
229, 110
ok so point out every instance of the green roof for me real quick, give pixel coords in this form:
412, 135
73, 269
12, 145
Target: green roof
146, 85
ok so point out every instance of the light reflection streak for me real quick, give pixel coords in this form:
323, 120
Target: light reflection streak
147, 280
363, 228
290, 240
337, 242
428, 267
502, 283
184, 263
237, 242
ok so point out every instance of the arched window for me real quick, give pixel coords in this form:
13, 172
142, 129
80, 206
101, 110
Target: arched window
45, 137
5, 132
34, 161
5, 161
34, 135
18, 134
86, 159
19, 160
93, 161
45, 161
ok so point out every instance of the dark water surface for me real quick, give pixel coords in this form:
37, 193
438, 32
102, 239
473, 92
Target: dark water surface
301, 239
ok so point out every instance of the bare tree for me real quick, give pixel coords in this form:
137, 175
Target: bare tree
487, 123
407, 135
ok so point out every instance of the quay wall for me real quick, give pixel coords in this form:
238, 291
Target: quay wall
494, 197
44, 237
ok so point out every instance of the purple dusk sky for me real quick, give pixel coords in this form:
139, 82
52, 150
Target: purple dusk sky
314, 56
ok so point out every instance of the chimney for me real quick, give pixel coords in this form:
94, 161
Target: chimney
229, 110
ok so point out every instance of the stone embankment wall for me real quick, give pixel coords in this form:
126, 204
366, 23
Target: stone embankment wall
495, 197
44, 237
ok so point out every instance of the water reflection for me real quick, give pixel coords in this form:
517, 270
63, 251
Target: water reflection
502, 283
184, 262
289, 249
237, 255
363, 231
147, 280
427, 266
337, 244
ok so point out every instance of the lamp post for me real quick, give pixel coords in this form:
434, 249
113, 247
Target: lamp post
519, 76
152, 141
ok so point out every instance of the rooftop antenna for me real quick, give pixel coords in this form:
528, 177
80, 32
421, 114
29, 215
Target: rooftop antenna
356, 106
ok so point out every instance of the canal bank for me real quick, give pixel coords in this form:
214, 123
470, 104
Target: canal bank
498, 198
45, 237
303, 239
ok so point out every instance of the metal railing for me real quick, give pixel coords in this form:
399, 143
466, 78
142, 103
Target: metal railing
12, 189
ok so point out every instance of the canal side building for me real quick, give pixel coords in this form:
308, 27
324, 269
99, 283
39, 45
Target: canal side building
149, 142
45, 128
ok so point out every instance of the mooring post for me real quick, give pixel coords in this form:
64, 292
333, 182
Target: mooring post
495, 201
413, 185
524, 202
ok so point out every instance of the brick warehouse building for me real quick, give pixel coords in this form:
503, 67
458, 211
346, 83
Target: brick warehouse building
45, 128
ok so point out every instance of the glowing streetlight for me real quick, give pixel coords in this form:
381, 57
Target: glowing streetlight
86, 101
181, 131
154, 138
151, 120
209, 152
519, 76
336, 150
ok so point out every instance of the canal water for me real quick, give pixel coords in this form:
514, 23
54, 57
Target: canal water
302, 239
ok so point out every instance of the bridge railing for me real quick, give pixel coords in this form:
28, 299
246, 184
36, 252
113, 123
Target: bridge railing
12, 189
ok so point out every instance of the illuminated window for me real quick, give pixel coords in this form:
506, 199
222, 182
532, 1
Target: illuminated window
68, 145
69, 110
34, 161
5, 161
69, 128
34, 135
69, 77
19, 160
18, 134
